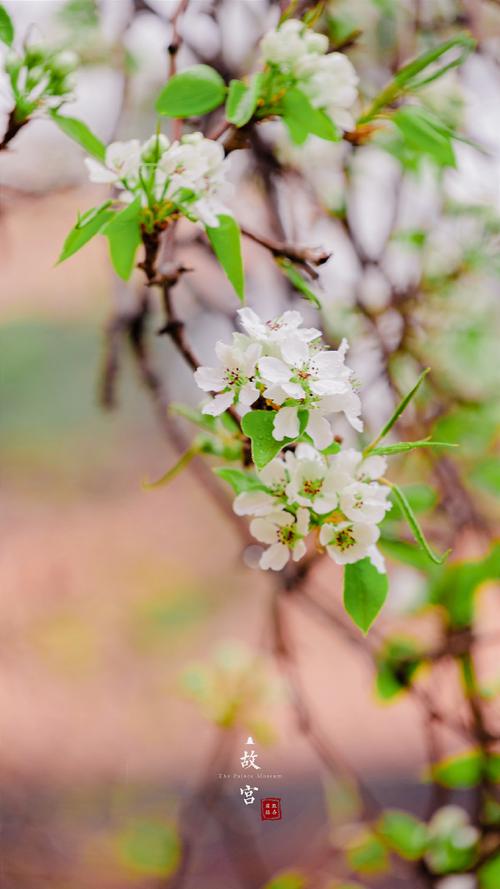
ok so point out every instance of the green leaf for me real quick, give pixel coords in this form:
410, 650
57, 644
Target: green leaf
79, 132
297, 280
366, 854
424, 134
462, 771
396, 667
403, 833
407, 76
365, 591
124, 235
332, 448
402, 446
455, 588
85, 229
403, 404
486, 474
240, 481
418, 534
197, 90
303, 119
258, 425
6, 27
242, 100
492, 768
226, 244
407, 79
150, 848
489, 873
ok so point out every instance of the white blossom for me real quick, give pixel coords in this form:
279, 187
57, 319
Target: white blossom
364, 502
317, 380
348, 542
232, 380
284, 533
330, 82
285, 45
312, 480
275, 477
274, 332
189, 173
197, 165
328, 79
122, 162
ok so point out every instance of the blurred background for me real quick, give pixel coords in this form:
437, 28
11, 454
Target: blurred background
121, 649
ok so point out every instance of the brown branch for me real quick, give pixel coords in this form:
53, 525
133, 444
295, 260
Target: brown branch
305, 256
13, 127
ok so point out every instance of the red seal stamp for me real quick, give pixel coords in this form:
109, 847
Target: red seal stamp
270, 808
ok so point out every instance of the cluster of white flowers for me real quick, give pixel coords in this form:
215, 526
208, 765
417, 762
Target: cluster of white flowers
287, 366
189, 174
36, 79
328, 79
336, 493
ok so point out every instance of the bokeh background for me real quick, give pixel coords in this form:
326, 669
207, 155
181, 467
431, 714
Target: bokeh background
121, 606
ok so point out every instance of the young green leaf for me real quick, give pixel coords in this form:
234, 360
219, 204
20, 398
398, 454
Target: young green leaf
226, 244
406, 79
85, 229
197, 90
418, 534
403, 446
242, 100
79, 132
403, 833
424, 134
366, 854
403, 404
407, 76
365, 591
297, 280
124, 236
303, 119
6, 26
258, 425
397, 664
455, 587
461, 771
240, 481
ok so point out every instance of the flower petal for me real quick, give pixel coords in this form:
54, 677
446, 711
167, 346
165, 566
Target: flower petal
274, 370
275, 557
320, 430
219, 404
286, 423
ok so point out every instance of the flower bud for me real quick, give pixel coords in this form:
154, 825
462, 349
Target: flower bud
64, 62
154, 147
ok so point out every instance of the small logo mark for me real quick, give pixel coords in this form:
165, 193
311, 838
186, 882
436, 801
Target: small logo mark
270, 808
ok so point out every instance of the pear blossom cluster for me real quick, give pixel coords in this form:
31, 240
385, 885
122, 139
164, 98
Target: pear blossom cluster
283, 366
328, 79
337, 495
187, 175
37, 79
